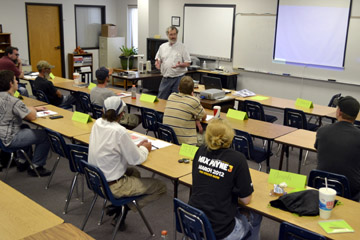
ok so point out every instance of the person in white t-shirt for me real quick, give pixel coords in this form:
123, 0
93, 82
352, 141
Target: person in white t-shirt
172, 59
112, 150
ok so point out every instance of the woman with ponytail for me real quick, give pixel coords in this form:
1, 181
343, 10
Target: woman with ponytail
222, 183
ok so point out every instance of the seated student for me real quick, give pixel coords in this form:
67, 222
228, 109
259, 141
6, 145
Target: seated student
54, 95
11, 61
13, 133
183, 112
338, 145
99, 93
112, 150
220, 194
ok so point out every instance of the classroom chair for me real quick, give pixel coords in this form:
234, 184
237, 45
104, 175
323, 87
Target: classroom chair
59, 147
76, 154
192, 222
291, 232
331, 104
297, 119
338, 182
12, 156
33, 89
167, 133
150, 120
97, 183
255, 110
97, 111
84, 99
41, 96
243, 143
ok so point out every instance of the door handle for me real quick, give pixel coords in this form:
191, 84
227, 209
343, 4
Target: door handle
58, 47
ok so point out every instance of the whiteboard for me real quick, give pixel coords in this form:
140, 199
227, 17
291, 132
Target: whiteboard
209, 30
254, 43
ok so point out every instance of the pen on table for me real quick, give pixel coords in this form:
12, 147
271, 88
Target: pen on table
154, 146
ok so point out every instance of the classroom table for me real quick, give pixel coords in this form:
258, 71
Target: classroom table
65, 126
31, 102
332, 116
261, 129
134, 77
20, 216
300, 138
163, 161
158, 106
64, 231
282, 103
349, 210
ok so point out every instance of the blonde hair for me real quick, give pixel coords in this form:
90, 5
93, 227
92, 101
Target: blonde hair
219, 134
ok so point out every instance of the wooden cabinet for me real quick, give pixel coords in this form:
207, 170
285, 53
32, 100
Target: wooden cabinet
5, 41
81, 63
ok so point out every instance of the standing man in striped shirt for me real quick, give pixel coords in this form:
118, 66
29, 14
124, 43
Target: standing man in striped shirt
184, 112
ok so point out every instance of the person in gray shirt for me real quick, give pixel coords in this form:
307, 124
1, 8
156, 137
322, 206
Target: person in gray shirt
99, 93
16, 135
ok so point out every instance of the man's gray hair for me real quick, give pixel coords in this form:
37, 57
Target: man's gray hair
170, 29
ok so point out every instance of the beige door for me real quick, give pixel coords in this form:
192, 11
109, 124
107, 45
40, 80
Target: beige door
44, 36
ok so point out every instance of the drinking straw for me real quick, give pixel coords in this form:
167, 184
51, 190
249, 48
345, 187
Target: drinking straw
326, 185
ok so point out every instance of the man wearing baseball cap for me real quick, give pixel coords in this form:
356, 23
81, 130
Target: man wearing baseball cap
338, 144
112, 150
99, 93
52, 93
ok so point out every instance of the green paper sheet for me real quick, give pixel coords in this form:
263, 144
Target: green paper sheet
148, 98
304, 103
293, 180
239, 115
81, 117
336, 226
187, 150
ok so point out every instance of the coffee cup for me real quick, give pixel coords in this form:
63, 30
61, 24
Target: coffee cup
217, 110
326, 202
76, 77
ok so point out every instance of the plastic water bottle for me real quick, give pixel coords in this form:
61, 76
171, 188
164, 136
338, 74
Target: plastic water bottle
133, 92
163, 234
204, 64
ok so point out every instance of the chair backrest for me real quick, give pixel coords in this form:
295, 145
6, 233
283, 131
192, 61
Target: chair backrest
192, 222
85, 102
331, 103
150, 118
254, 110
41, 96
97, 111
57, 143
243, 143
33, 89
167, 133
292, 232
97, 183
77, 153
338, 182
295, 118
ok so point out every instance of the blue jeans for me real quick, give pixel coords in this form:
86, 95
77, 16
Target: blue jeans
244, 225
27, 137
168, 85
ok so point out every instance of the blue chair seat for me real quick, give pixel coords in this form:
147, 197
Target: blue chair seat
291, 232
97, 183
270, 118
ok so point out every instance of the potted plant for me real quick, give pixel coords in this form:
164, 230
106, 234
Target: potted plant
127, 53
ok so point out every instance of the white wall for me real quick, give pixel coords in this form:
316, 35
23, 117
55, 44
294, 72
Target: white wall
13, 19
319, 92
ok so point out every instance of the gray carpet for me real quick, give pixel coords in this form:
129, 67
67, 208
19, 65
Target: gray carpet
159, 213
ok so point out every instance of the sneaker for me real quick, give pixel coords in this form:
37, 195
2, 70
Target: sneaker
43, 172
21, 167
122, 226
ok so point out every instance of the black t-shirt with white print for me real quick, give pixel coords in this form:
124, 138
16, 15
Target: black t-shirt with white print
220, 177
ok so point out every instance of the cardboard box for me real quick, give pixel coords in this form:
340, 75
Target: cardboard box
108, 30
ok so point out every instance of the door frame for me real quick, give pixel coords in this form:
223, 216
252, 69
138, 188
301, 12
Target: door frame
62, 50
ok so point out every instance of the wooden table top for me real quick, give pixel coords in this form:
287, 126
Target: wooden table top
137, 76
217, 72
65, 126
300, 138
163, 161
282, 103
257, 128
349, 211
31, 102
157, 106
201, 87
333, 115
21, 217
63, 231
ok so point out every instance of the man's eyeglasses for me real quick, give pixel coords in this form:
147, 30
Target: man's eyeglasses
17, 54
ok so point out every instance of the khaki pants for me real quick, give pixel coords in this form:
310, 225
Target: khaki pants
132, 185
